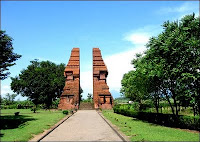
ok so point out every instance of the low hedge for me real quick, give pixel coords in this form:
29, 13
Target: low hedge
65, 112
181, 121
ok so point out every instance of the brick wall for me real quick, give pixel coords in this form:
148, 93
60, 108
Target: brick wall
101, 96
70, 98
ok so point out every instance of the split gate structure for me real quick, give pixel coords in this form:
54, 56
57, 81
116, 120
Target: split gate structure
101, 96
70, 98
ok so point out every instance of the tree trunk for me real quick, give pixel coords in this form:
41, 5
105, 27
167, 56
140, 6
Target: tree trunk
169, 102
140, 105
157, 101
194, 112
156, 105
176, 107
198, 107
175, 103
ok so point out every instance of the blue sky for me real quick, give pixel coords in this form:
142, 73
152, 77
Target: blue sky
48, 30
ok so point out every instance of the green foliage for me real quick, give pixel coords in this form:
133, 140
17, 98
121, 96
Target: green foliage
9, 103
186, 122
169, 69
9, 99
65, 112
42, 82
89, 98
7, 56
121, 100
81, 96
10, 106
55, 103
34, 109
26, 104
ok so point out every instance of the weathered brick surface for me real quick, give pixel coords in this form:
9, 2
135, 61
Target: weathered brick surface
70, 98
101, 96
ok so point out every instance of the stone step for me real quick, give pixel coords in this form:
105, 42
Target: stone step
86, 106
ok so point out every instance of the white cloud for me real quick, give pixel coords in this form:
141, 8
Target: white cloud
141, 36
5, 89
184, 8
119, 64
137, 38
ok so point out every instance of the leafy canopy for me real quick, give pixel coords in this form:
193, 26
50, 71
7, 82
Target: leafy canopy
42, 82
7, 56
169, 67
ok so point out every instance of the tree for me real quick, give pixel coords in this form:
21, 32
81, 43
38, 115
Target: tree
177, 50
81, 96
169, 67
42, 82
89, 97
7, 56
9, 99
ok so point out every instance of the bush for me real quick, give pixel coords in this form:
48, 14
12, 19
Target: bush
65, 112
55, 104
181, 121
34, 109
12, 106
191, 122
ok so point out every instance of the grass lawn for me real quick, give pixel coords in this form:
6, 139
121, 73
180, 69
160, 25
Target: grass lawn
22, 127
142, 131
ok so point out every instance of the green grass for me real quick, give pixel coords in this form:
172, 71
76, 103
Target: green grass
143, 131
22, 127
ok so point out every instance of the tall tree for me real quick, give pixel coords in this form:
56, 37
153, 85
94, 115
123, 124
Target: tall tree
170, 65
7, 56
41, 82
177, 49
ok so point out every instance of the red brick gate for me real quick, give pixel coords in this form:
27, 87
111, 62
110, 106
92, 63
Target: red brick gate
70, 98
101, 96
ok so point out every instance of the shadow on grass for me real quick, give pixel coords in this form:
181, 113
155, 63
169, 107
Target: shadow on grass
162, 123
11, 121
1, 135
145, 121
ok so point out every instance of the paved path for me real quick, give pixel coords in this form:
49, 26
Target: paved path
84, 125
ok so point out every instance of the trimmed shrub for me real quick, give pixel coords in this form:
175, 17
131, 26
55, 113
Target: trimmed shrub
181, 121
191, 122
65, 112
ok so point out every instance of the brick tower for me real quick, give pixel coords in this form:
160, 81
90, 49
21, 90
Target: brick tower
101, 96
70, 98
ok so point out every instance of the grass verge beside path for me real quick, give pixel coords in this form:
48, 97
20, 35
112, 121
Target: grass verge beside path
27, 124
139, 130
